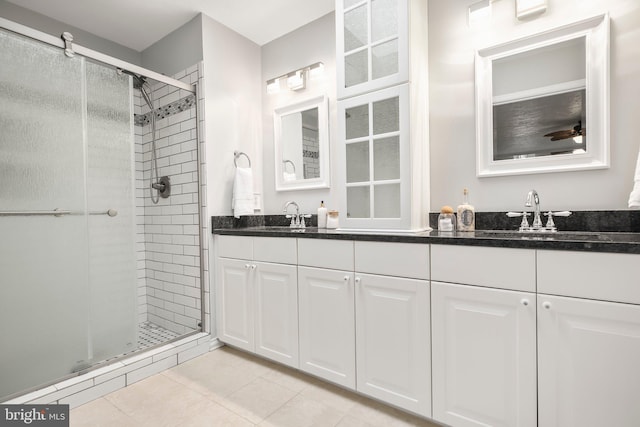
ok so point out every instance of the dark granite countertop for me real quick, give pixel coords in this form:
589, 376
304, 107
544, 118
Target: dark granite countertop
623, 242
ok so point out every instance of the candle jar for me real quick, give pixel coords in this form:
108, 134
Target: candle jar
332, 219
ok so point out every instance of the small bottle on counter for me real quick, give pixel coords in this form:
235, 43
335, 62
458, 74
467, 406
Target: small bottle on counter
322, 216
332, 219
466, 214
446, 220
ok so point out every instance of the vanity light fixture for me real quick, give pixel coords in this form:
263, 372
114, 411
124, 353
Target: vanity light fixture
528, 8
273, 86
316, 70
296, 80
479, 13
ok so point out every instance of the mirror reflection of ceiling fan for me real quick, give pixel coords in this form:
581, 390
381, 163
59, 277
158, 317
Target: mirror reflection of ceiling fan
577, 130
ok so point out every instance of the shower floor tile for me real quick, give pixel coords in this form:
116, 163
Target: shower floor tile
150, 334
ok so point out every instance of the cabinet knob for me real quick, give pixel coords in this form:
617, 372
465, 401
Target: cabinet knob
253, 266
524, 301
346, 278
357, 280
247, 266
546, 305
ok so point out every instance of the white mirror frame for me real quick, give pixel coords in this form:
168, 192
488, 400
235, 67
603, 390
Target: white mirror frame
323, 135
596, 33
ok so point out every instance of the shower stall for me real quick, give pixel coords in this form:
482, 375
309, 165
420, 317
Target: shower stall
100, 210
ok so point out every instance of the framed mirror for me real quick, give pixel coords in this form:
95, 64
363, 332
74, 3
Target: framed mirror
542, 102
302, 145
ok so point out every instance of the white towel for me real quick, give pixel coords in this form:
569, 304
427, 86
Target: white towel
634, 197
289, 176
242, 201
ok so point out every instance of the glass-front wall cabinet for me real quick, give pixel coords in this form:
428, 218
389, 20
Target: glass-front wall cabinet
382, 157
375, 132
371, 45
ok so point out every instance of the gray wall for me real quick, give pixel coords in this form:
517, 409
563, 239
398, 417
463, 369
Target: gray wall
452, 119
56, 28
232, 91
176, 51
309, 44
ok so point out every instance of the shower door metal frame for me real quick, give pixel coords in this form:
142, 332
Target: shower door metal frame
89, 53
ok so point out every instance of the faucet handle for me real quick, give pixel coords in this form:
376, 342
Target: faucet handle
294, 220
524, 225
559, 213
552, 225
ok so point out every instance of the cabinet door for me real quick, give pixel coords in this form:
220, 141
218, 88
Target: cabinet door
276, 312
327, 324
393, 341
484, 356
371, 45
588, 363
375, 167
235, 303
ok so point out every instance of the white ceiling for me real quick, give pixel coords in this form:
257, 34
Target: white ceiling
138, 24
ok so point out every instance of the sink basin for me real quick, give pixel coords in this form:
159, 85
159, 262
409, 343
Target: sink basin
532, 235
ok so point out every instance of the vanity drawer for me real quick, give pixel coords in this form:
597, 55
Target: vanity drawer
594, 275
393, 259
281, 250
235, 247
502, 268
334, 254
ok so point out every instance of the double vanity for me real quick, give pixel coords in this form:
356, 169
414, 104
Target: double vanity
468, 329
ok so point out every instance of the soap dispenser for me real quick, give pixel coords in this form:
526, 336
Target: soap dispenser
466, 214
322, 216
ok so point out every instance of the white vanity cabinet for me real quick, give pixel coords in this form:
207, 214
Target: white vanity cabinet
393, 324
327, 324
483, 336
258, 296
484, 356
588, 339
327, 310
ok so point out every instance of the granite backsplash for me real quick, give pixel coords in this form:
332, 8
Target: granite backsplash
625, 221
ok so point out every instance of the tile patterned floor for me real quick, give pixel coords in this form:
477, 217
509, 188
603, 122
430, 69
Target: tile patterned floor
227, 387
150, 334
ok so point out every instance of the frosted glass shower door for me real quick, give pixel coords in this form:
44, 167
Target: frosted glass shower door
110, 185
44, 258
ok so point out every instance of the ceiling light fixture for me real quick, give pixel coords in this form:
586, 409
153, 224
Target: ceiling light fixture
296, 80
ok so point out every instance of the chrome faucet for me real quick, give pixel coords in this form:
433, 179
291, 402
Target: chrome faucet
533, 196
534, 199
295, 219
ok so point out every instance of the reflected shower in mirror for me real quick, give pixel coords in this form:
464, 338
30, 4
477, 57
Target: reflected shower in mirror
537, 97
301, 145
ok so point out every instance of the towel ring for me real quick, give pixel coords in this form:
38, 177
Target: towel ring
237, 154
293, 165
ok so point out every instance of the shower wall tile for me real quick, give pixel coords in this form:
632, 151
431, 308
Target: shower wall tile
169, 257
